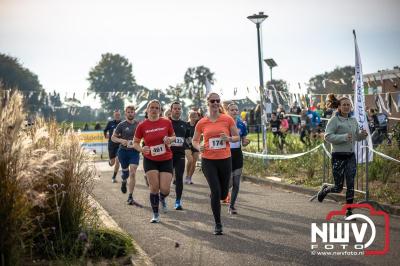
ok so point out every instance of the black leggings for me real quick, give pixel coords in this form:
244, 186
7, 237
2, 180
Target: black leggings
179, 169
344, 167
218, 174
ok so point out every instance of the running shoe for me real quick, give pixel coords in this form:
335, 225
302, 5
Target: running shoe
155, 218
123, 186
187, 180
133, 202
178, 205
232, 210
164, 206
322, 193
113, 180
349, 212
218, 229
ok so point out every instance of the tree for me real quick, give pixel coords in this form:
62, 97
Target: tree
176, 93
338, 81
112, 79
279, 84
14, 76
195, 83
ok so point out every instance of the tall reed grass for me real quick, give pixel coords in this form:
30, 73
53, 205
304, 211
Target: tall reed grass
45, 181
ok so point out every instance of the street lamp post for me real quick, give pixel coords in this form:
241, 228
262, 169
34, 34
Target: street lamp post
271, 63
258, 19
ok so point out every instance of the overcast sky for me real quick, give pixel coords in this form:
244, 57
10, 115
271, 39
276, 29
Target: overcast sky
61, 40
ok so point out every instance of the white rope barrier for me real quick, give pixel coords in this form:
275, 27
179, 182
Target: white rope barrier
295, 155
278, 156
326, 151
385, 156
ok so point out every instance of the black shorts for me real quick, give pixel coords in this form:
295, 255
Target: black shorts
237, 158
160, 166
112, 149
193, 150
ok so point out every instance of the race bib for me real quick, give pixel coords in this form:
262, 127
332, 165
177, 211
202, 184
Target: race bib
157, 150
234, 145
178, 142
216, 144
274, 129
130, 144
303, 122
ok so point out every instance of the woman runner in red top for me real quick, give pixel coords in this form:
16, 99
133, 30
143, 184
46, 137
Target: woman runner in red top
218, 130
158, 134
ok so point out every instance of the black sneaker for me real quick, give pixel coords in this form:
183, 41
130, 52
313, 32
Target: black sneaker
133, 202
232, 210
113, 180
349, 212
218, 229
322, 193
123, 186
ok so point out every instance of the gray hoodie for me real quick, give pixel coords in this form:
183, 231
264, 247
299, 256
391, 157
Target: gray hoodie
337, 130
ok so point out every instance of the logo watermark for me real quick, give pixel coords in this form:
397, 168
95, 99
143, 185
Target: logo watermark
349, 237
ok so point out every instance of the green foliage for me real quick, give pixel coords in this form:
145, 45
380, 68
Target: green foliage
280, 85
112, 74
384, 175
15, 77
195, 83
391, 169
333, 82
45, 182
176, 93
109, 244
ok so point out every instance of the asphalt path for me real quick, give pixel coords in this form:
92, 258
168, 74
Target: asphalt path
273, 227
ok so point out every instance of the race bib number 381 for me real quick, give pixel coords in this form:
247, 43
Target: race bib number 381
157, 150
216, 144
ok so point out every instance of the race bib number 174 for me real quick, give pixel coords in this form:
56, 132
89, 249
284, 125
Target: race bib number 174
216, 144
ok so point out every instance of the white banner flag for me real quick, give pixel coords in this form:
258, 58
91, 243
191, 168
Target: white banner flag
359, 109
208, 86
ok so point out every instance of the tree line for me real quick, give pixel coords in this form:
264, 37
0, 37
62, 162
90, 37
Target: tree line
112, 81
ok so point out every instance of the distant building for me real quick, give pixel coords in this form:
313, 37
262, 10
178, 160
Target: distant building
245, 103
383, 86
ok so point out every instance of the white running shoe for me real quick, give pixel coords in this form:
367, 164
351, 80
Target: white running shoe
155, 219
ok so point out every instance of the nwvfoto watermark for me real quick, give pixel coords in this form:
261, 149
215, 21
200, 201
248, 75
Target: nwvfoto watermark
334, 236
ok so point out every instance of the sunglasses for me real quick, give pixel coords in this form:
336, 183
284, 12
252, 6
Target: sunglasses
215, 101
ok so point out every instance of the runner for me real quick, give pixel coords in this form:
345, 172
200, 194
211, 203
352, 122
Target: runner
342, 131
192, 155
237, 156
112, 146
275, 126
218, 130
158, 135
178, 148
127, 155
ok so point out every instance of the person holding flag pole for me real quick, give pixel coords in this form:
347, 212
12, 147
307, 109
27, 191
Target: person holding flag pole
345, 131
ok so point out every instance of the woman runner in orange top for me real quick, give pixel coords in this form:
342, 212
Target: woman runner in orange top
218, 129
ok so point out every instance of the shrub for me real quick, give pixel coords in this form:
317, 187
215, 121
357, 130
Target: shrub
384, 174
45, 181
